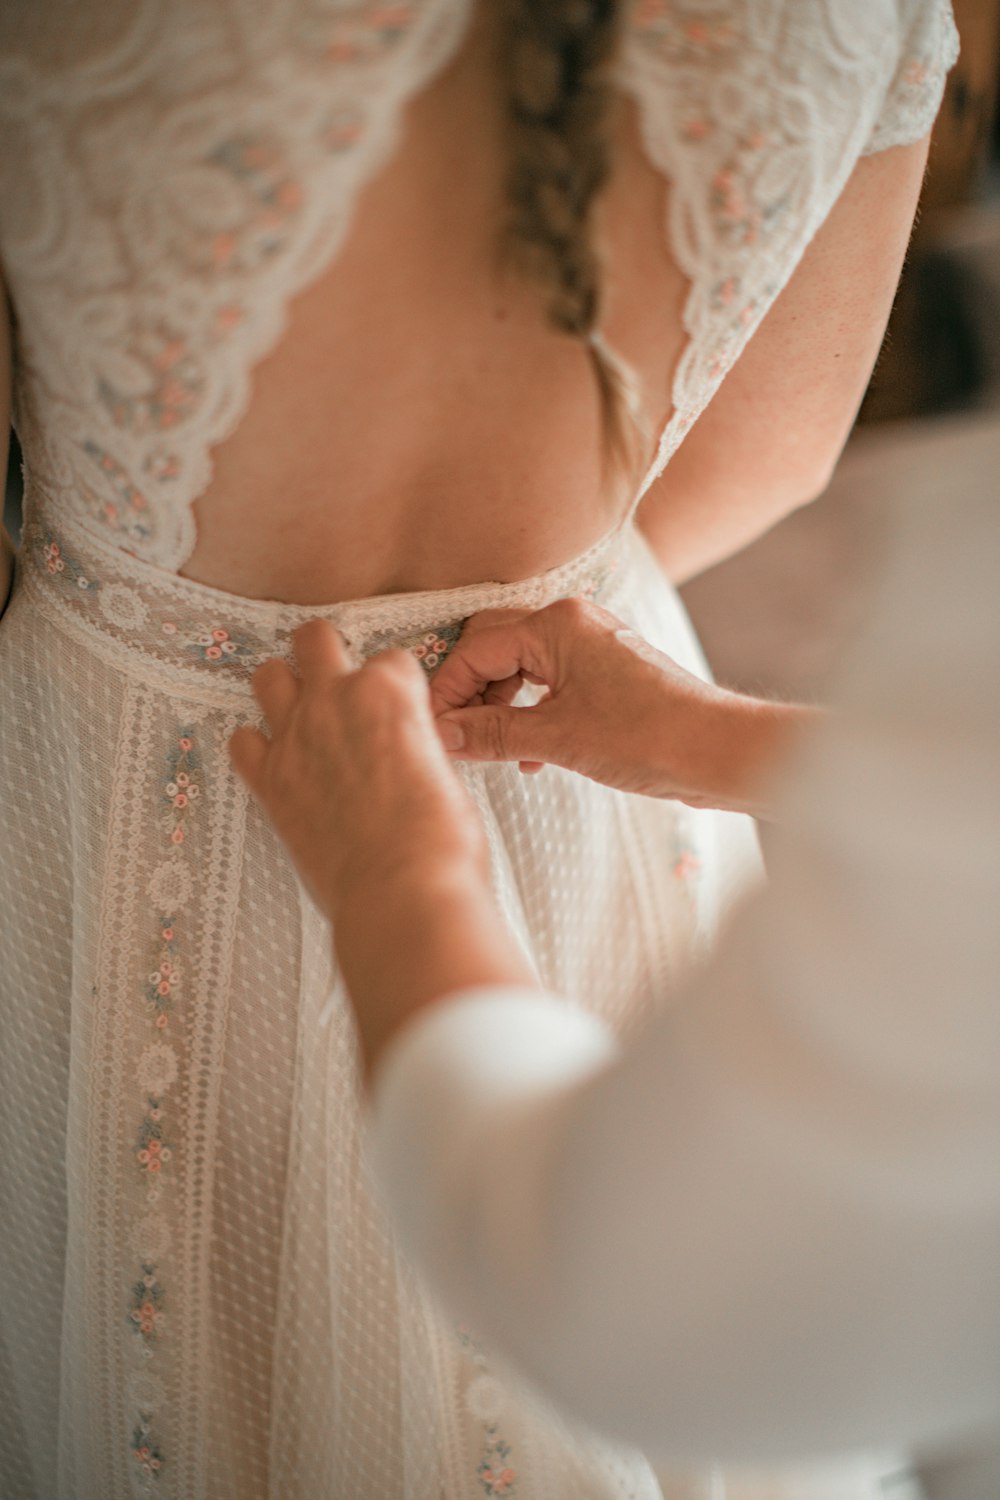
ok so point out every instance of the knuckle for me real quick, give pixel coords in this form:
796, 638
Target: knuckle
410, 669
573, 611
569, 612
392, 678
495, 735
396, 667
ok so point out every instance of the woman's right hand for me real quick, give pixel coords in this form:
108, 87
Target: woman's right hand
616, 709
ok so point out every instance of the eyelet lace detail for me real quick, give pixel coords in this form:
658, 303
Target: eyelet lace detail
194, 638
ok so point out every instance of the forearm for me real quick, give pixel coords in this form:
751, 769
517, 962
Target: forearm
407, 945
617, 711
737, 746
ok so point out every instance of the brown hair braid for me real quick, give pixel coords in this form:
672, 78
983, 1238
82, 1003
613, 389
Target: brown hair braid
555, 60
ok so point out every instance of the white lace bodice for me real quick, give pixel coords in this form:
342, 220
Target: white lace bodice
171, 175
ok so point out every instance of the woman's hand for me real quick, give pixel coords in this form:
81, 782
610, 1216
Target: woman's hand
353, 777
616, 709
384, 837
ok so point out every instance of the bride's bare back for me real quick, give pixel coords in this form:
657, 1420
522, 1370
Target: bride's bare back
421, 425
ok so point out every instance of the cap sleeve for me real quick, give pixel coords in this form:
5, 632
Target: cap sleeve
928, 49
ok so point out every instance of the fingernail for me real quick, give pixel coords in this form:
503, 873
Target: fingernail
451, 734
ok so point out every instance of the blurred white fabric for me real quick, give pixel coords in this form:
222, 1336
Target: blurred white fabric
771, 1226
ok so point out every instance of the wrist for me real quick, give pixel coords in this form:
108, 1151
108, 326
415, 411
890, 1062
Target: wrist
407, 942
734, 748
414, 891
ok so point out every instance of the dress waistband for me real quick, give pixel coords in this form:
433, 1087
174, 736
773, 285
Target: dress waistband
201, 637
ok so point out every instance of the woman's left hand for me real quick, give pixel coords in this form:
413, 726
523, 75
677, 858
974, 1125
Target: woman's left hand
382, 833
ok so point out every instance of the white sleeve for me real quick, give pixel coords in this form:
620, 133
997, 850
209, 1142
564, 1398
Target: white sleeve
927, 51
776, 1217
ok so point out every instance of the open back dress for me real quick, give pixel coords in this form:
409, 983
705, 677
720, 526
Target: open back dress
199, 1298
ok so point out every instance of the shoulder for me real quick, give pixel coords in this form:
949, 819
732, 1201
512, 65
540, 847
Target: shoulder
871, 66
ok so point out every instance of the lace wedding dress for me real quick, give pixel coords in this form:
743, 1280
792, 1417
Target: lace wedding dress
198, 1298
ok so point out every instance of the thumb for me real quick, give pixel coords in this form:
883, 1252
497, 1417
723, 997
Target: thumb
496, 733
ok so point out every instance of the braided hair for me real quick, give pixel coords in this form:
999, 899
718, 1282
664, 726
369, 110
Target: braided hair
556, 58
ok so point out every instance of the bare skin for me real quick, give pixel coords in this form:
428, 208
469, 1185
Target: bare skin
420, 426
615, 710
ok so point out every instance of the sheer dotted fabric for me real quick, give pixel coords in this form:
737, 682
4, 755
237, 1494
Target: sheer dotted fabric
199, 1298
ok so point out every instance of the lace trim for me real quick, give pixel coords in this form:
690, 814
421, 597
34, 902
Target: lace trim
160, 1071
756, 115
272, 159
206, 169
929, 51
195, 637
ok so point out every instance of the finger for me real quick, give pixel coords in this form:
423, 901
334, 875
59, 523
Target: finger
486, 656
320, 653
248, 751
488, 618
494, 733
503, 692
277, 692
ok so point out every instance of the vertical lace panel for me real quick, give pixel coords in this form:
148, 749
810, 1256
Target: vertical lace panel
159, 1014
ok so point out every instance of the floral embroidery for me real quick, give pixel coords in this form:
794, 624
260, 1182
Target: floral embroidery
127, 514
165, 979
485, 1401
745, 204
915, 73
180, 790
495, 1474
170, 631
360, 38
218, 645
157, 1069
175, 384
145, 1312
342, 128
658, 21
145, 1449
686, 866
593, 588
161, 465
152, 1152
430, 647
64, 568
259, 167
